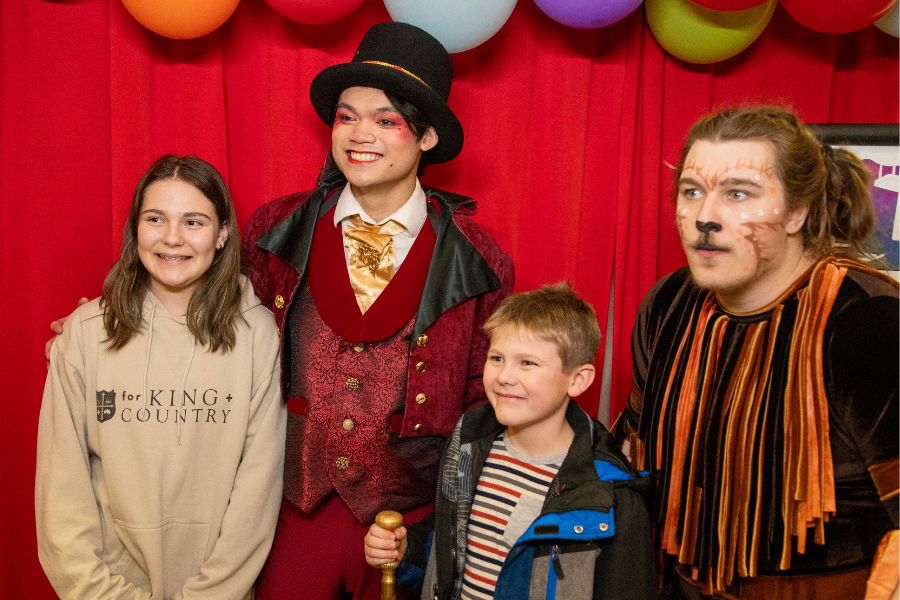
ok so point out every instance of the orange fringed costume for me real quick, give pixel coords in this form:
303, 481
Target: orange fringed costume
774, 435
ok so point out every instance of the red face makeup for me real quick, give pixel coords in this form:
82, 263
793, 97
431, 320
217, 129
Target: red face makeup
374, 147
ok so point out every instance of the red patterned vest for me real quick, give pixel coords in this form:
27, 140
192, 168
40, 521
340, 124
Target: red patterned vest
349, 386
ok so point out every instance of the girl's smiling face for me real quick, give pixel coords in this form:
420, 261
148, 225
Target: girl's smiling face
177, 235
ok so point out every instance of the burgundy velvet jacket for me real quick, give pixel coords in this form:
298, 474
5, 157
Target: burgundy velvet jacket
444, 346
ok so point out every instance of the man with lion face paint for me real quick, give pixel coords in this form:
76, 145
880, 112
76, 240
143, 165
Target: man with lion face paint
765, 372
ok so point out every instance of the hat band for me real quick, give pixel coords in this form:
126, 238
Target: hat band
396, 68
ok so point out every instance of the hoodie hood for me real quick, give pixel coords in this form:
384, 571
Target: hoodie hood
158, 322
249, 301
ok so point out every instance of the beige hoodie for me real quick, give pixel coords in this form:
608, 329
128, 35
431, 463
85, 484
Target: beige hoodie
159, 466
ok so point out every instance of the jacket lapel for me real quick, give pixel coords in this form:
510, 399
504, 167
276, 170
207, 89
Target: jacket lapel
457, 271
291, 238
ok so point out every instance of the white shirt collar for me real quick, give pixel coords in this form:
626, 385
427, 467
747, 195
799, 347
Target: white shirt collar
411, 215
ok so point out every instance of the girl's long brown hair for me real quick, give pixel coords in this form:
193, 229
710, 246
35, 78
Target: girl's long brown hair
215, 307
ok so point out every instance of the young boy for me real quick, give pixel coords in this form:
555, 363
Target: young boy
534, 500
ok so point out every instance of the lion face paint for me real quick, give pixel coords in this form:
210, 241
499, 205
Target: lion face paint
733, 221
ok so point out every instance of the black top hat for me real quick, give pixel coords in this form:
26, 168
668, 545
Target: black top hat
404, 60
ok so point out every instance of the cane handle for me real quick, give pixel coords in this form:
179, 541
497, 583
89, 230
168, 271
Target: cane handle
390, 520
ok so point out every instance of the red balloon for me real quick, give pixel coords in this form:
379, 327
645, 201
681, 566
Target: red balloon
181, 19
837, 16
728, 4
314, 12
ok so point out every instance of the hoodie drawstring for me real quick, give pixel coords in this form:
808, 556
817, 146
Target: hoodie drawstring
149, 346
184, 375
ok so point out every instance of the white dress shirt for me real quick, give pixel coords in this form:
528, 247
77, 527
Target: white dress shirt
411, 215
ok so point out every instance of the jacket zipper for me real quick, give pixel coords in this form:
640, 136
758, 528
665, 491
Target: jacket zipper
557, 564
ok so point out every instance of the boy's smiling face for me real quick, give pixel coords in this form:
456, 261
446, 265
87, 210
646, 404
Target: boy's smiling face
525, 381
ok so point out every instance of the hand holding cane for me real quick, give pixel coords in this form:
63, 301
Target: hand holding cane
389, 520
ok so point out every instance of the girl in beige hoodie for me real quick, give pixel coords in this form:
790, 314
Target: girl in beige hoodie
161, 436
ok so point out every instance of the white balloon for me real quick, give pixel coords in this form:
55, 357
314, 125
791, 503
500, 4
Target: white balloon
458, 24
890, 23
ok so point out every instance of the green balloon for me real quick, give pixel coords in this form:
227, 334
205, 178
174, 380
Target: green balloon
700, 35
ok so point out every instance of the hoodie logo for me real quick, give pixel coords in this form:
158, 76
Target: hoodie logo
106, 405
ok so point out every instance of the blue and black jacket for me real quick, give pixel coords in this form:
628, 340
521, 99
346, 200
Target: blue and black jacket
591, 541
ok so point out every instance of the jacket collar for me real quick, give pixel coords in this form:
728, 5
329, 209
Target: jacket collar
576, 484
291, 238
457, 271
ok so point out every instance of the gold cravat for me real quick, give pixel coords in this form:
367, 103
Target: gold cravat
370, 261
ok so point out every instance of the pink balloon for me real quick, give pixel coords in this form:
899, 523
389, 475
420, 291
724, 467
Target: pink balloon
314, 12
837, 16
728, 4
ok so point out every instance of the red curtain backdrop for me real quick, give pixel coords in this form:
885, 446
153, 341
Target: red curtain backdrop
567, 138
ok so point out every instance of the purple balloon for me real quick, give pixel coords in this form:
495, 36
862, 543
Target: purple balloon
587, 14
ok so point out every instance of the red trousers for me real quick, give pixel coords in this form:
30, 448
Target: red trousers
319, 556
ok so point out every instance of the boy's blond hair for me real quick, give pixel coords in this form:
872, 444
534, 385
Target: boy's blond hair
556, 314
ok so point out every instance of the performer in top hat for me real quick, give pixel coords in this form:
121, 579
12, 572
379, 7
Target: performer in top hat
379, 286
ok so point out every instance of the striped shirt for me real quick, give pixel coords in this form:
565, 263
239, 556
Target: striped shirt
508, 498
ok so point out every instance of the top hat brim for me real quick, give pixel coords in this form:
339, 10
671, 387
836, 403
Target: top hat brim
328, 85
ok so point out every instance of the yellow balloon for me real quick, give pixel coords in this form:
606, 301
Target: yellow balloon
181, 19
700, 35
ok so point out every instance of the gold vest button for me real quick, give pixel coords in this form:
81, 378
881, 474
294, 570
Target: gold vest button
342, 462
348, 424
417, 427
358, 348
422, 340
352, 384
421, 398
420, 367
279, 301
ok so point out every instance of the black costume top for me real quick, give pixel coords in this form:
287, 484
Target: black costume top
767, 430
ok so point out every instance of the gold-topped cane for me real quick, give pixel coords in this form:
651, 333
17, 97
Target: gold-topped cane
390, 520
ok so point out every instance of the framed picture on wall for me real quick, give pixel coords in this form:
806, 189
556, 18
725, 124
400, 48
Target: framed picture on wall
878, 145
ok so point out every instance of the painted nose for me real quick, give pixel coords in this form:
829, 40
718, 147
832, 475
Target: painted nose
708, 226
706, 210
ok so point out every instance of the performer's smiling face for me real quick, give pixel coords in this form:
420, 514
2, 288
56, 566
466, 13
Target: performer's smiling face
733, 220
375, 148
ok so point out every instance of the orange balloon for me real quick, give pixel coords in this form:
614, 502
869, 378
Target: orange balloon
181, 19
